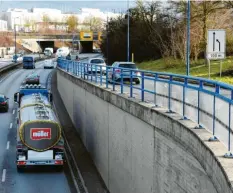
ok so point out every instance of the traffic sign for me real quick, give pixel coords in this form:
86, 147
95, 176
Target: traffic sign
216, 45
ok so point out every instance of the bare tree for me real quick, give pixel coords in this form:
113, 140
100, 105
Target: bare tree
95, 23
72, 22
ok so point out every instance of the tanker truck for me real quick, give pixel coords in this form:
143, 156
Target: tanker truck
39, 139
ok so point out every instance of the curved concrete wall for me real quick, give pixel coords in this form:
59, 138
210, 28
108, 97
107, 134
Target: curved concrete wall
139, 149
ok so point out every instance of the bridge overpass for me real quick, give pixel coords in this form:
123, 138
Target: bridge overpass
171, 133
82, 40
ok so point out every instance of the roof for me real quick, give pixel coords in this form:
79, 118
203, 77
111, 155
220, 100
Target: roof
96, 58
125, 62
33, 75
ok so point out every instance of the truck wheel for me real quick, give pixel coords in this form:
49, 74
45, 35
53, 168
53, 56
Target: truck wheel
137, 81
59, 168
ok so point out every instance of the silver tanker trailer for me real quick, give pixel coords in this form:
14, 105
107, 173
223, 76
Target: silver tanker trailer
39, 139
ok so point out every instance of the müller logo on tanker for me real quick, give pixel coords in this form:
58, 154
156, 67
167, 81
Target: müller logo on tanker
40, 133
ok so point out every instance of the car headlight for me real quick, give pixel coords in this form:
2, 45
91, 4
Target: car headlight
58, 156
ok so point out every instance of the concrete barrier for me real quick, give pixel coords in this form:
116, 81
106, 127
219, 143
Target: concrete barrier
141, 149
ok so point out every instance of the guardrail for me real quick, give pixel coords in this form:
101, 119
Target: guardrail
211, 107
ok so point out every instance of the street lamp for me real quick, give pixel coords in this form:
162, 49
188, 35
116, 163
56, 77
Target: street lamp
188, 39
107, 42
15, 37
128, 32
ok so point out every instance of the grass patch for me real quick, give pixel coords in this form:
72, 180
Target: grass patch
198, 68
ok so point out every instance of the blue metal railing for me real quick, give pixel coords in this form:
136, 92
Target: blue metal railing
206, 102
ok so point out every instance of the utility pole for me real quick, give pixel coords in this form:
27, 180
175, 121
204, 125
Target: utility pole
15, 39
107, 40
15, 43
128, 32
188, 39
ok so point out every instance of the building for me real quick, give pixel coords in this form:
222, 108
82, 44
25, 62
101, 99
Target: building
28, 20
3, 25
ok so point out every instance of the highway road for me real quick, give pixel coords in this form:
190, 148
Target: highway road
32, 181
8, 61
4, 62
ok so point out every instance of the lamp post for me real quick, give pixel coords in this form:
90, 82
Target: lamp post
15, 38
188, 39
107, 41
128, 32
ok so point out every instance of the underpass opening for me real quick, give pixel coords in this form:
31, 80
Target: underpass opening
86, 46
45, 44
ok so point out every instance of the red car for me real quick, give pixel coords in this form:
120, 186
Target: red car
4, 103
32, 79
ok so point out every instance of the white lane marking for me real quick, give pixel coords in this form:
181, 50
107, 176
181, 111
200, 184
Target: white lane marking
13, 112
3, 175
11, 125
8, 145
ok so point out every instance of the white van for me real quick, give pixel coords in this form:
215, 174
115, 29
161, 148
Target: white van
62, 52
48, 51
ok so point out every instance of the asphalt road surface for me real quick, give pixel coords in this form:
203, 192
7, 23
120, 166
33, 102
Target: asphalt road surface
5, 62
32, 181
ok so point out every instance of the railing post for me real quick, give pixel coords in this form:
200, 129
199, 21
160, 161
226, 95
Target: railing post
106, 78
77, 67
101, 75
184, 89
214, 138
122, 81
198, 102
155, 93
229, 154
142, 87
214, 107
95, 73
91, 73
131, 84
67, 66
169, 93
113, 81
84, 72
81, 70
229, 129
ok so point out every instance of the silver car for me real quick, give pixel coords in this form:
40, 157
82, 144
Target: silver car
96, 61
49, 64
126, 68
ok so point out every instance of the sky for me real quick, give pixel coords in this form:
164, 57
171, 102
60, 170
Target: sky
69, 6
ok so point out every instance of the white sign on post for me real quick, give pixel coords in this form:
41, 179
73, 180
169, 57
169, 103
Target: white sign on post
216, 45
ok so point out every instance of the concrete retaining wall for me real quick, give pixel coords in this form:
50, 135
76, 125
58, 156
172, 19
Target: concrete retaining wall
139, 149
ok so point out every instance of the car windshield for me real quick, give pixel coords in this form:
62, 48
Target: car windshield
128, 66
2, 99
97, 61
27, 59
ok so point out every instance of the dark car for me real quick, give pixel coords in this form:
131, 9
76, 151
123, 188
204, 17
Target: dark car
32, 79
68, 57
4, 103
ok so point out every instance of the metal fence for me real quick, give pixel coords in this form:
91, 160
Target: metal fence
206, 102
